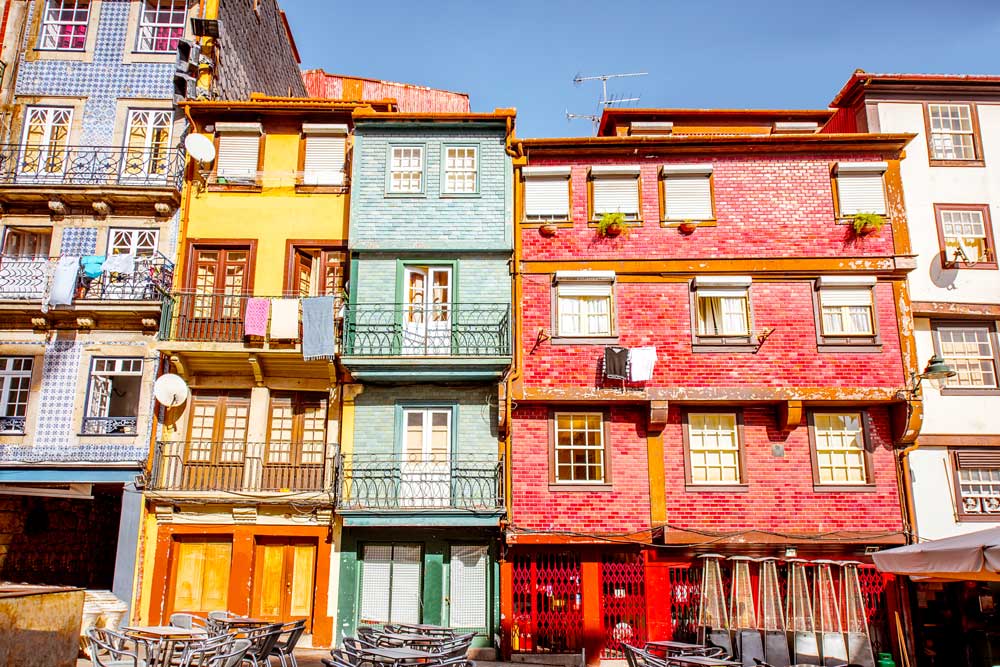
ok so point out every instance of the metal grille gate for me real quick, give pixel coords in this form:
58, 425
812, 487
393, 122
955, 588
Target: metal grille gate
548, 606
623, 602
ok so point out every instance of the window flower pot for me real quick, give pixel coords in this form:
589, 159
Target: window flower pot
687, 227
548, 231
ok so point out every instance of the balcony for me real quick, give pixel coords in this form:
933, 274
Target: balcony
110, 425
29, 278
79, 175
265, 469
465, 489
453, 341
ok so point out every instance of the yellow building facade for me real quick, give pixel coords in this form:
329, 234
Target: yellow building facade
239, 500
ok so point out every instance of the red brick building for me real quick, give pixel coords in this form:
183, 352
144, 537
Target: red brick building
782, 339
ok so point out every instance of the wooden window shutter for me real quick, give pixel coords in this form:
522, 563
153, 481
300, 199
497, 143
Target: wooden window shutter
861, 192
238, 155
616, 194
978, 459
325, 157
547, 197
688, 197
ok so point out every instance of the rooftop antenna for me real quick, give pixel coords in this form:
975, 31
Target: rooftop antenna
605, 101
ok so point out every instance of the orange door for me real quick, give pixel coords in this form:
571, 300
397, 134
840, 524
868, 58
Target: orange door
284, 580
200, 574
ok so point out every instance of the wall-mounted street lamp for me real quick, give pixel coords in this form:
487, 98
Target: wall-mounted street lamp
936, 369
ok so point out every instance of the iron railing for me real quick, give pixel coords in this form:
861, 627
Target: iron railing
29, 279
403, 482
447, 329
200, 317
238, 466
91, 165
110, 425
10, 425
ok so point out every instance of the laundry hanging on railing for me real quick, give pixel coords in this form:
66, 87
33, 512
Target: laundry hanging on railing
640, 363
318, 330
255, 317
121, 263
64, 281
93, 265
284, 319
616, 363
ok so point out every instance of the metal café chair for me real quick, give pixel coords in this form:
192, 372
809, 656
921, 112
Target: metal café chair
636, 657
228, 654
285, 646
262, 641
189, 621
111, 649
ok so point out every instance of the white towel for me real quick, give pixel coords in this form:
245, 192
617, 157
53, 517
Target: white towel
641, 361
284, 319
64, 281
121, 263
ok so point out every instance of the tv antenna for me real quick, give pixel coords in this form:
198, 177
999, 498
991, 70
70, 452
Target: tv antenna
605, 101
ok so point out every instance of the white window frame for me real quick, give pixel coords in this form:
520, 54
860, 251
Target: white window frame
100, 385
841, 294
837, 454
857, 180
546, 182
151, 159
589, 297
133, 247
457, 588
698, 437
600, 448
688, 179
461, 171
965, 227
942, 139
49, 33
11, 381
241, 133
978, 489
963, 364
413, 169
148, 27
315, 168
607, 174
723, 288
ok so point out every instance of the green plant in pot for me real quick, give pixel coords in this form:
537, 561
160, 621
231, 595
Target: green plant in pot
611, 225
866, 223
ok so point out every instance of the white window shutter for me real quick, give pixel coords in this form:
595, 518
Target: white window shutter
406, 589
861, 192
468, 586
546, 197
616, 195
238, 153
325, 156
688, 197
846, 297
376, 572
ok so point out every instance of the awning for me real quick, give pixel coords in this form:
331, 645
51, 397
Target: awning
970, 557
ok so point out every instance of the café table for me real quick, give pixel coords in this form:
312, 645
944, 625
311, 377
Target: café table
410, 637
669, 646
701, 661
398, 653
163, 632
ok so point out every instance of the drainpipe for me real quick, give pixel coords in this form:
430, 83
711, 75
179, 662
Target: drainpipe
516, 151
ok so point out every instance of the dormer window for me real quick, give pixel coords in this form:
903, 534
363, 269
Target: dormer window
615, 190
795, 127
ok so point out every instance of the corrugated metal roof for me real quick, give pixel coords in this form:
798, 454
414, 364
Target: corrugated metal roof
410, 98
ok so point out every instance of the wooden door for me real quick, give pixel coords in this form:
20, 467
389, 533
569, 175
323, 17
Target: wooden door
296, 442
218, 282
316, 272
283, 582
216, 443
199, 581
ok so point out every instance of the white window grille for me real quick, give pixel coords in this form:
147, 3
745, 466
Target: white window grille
966, 230
391, 575
64, 25
969, 351
461, 170
840, 453
579, 448
714, 446
406, 170
468, 586
952, 132
161, 25
15, 389
130, 241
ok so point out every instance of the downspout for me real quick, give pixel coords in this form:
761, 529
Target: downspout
515, 151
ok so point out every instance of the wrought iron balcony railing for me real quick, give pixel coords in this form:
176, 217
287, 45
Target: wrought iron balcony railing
402, 482
243, 467
12, 425
91, 165
110, 425
446, 329
199, 317
29, 279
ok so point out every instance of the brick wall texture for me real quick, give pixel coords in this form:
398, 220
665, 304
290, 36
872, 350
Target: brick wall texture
779, 495
255, 55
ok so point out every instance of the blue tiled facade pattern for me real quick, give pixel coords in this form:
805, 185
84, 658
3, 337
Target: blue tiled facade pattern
103, 82
79, 241
59, 389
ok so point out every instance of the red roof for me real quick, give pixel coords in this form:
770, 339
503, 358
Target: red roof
410, 98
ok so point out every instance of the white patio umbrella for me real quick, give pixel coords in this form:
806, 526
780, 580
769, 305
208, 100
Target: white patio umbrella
970, 557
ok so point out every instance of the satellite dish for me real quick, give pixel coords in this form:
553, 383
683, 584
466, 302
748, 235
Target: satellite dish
200, 147
170, 390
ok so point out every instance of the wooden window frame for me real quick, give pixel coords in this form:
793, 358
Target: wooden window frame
991, 262
214, 186
661, 191
522, 200
324, 246
689, 485
852, 343
297, 399
960, 513
222, 399
841, 218
701, 343
977, 137
866, 447
592, 217
554, 483
611, 339
222, 244
302, 188
991, 328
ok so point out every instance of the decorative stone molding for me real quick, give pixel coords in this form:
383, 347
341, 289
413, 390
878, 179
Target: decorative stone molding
101, 208
163, 209
85, 322
163, 513
57, 207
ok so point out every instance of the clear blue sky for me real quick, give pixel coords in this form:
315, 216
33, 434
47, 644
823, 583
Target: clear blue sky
699, 53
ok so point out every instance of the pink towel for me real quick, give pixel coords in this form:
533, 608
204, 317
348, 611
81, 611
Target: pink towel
255, 321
